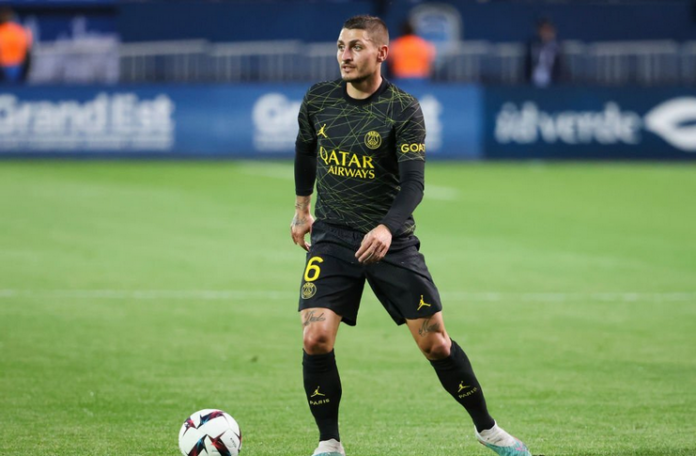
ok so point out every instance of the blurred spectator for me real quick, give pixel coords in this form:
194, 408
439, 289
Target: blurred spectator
543, 59
410, 56
15, 48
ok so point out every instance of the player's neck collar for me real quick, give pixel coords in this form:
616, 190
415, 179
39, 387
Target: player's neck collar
354, 101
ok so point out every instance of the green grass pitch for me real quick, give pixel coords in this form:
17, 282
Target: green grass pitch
133, 294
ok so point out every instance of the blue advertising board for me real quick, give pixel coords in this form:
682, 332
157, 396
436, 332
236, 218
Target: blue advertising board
590, 123
257, 120
199, 121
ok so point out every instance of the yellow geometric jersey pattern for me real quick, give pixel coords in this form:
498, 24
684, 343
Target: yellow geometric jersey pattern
358, 145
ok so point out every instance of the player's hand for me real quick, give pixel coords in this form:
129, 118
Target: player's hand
375, 245
300, 226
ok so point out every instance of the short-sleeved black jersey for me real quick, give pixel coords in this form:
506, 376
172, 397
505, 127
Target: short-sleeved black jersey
362, 149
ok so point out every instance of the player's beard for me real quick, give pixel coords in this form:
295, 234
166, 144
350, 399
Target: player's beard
355, 79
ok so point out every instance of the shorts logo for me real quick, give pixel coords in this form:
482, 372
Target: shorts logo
373, 140
308, 290
406, 148
421, 304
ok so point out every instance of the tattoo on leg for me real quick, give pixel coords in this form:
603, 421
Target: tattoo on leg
426, 327
310, 318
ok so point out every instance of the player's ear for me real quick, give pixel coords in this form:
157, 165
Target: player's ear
382, 53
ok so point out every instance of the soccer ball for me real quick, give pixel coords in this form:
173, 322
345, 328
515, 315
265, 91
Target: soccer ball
211, 432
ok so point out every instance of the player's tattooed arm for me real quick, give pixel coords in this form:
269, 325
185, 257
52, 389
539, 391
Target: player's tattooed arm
302, 203
427, 328
311, 318
302, 221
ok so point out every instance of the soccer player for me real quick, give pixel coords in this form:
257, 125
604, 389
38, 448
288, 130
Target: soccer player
362, 141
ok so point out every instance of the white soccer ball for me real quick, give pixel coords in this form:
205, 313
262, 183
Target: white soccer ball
210, 432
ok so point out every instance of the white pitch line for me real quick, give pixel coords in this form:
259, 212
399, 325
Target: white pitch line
232, 295
205, 295
685, 296
441, 193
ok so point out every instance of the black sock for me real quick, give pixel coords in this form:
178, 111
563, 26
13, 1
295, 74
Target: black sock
457, 377
323, 387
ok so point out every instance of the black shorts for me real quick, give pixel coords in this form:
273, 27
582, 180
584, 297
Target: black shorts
334, 279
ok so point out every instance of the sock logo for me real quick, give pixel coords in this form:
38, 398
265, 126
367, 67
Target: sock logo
317, 393
318, 401
421, 304
463, 387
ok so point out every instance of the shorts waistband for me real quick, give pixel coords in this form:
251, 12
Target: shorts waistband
340, 231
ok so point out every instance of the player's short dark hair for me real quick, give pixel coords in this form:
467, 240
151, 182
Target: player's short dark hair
373, 25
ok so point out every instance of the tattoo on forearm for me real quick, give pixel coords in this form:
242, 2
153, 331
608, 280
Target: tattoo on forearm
310, 318
299, 205
426, 327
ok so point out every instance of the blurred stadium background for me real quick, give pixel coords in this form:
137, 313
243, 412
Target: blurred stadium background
135, 78
559, 224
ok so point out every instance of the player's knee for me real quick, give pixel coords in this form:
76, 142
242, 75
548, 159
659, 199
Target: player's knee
317, 342
435, 347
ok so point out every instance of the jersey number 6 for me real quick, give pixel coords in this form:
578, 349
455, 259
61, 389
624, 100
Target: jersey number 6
312, 272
